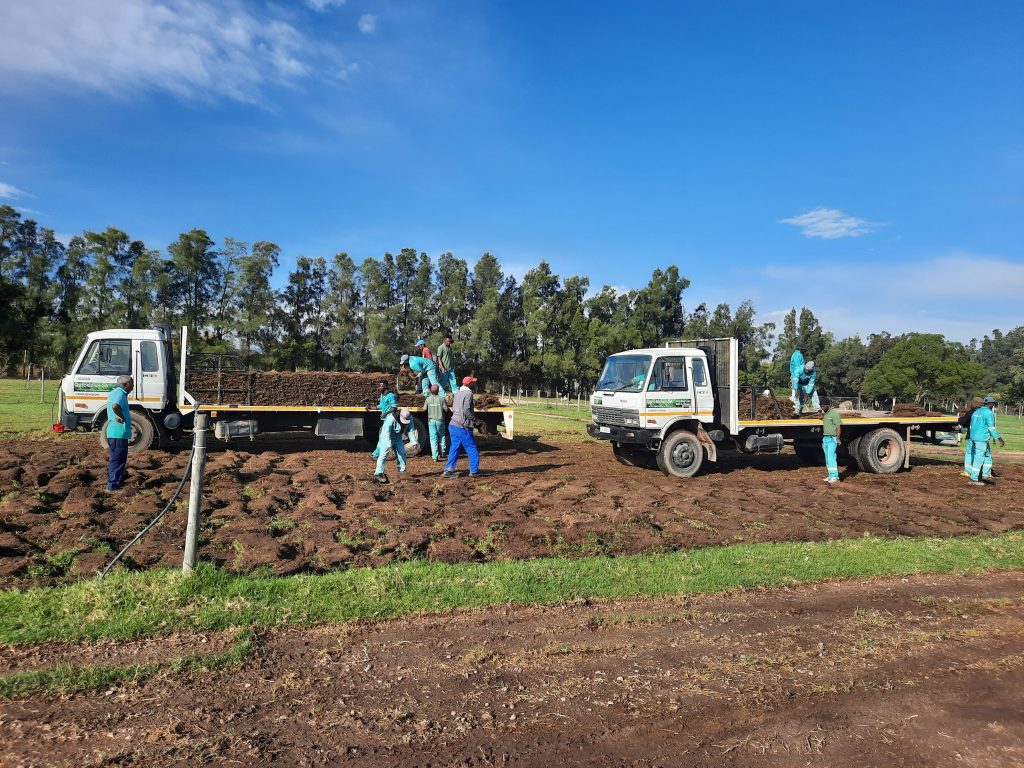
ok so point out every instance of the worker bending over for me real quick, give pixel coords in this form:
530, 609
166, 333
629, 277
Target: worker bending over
425, 369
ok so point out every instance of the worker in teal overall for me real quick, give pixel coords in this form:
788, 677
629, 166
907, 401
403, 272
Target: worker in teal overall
387, 402
390, 440
808, 391
796, 369
422, 367
965, 426
983, 428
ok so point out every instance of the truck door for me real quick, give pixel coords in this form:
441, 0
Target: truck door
150, 379
96, 375
704, 396
668, 393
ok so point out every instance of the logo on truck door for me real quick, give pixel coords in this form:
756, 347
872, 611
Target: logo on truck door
675, 402
94, 386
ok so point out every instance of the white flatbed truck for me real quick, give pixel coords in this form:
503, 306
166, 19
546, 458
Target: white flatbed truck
163, 408
675, 407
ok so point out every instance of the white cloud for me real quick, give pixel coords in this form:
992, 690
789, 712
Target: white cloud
367, 23
322, 5
192, 48
830, 223
9, 191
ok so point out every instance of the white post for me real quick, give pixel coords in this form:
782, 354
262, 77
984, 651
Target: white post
42, 383
195, 495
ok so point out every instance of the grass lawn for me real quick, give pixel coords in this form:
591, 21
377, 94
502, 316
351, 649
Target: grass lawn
133, 604
1012, 430
20, 410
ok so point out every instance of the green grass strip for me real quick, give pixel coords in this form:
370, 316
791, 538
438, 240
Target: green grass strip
129, 605
65, 679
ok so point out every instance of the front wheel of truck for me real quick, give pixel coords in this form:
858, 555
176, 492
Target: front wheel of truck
681, 455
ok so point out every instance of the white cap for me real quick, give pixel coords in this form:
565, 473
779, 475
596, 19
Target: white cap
404, 416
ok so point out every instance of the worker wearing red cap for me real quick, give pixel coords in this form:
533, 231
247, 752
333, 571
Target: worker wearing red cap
460, 430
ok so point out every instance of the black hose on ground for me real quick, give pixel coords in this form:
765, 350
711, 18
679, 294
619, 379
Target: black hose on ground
155, 520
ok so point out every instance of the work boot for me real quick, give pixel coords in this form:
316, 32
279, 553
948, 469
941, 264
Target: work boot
989, 480
449, 473
976, 482
381, 478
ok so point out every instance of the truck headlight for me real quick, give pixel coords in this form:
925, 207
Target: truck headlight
631, 421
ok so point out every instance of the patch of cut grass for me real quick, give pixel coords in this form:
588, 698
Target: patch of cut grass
65, 679
131, 604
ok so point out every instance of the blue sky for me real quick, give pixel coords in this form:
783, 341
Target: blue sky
864, 159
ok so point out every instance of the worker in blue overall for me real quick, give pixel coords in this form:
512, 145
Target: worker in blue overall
387, 402
422, 367
983, 429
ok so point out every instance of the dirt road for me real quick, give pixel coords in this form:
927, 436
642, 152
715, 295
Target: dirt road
300, 506
923, 671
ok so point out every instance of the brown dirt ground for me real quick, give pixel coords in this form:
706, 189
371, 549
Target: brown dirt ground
921, 671
296, 505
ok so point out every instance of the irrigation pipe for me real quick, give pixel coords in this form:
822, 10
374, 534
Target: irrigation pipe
155, 520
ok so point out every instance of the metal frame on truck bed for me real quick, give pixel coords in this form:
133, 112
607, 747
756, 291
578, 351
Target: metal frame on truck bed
676, 406
163, 408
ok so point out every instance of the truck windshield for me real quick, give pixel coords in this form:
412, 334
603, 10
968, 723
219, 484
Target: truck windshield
625, 373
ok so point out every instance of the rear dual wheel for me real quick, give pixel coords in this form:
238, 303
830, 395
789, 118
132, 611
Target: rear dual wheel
881, 451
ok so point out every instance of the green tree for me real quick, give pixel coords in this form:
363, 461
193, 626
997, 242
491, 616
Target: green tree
924, 366
452, 295
195, 273
252, 301
345, 305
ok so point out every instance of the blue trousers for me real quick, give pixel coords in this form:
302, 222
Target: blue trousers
981, 462
438, 439
429, 377
118, 462
829, 444
462, 440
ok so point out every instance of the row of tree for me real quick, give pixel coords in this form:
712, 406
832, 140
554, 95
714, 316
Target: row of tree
545, 331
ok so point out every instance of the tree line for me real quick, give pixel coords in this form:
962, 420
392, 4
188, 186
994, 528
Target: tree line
544, 331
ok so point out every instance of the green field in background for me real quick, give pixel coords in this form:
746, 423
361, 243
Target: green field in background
21, 411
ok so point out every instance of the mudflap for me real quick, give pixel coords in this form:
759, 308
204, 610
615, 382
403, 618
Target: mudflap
707, 442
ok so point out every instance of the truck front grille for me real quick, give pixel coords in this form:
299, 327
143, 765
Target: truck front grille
613, 416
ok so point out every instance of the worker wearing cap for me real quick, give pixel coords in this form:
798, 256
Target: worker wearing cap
796, 369
422, 367
119, 431
808, 391
983, 428
390, 440
445, 365
460, 430
436, 406
421, 347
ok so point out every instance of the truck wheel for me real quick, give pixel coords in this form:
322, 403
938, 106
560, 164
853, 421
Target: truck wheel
810, 454
681, 454
853, 451
143, 433
422, 434
881, 451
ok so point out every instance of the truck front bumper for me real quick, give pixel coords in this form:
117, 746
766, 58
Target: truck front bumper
631, 435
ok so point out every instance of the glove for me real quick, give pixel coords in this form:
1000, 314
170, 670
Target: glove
1002, 443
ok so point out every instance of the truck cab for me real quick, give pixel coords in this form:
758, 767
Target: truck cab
645, 398
143, 354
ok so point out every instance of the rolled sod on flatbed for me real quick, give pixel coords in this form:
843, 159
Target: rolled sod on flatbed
313, 388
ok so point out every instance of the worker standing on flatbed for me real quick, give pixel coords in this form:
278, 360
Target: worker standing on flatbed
831, 431
796, 370
983, 428
445, 366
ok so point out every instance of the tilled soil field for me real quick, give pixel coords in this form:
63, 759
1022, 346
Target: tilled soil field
921, 671
298, 505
